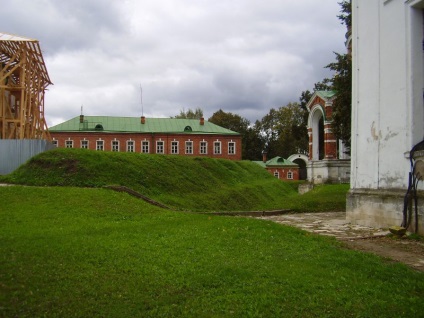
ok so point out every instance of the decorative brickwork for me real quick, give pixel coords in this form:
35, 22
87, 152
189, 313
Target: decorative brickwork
320, 127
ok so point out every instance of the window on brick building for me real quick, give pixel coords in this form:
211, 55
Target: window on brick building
130, 146
55, 143
69, 143
189, 147
84, 144
145, 147
174, 147
159, 147
115, 145
231, 148
289, 175
203, 147
217, 147
277, 174
100, 145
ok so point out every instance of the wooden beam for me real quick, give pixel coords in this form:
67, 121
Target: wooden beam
22, 95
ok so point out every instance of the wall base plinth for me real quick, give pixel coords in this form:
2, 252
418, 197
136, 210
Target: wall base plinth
381, 208
328, 171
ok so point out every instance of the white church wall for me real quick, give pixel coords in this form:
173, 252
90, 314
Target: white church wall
387, 106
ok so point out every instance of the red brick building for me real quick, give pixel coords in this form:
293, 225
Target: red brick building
169, 136
280, 168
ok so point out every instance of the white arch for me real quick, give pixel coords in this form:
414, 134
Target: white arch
316, 113
298, 156
313, 114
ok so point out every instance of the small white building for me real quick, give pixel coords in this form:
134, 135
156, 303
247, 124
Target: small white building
387, 108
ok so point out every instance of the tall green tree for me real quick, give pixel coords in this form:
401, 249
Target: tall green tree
284, 130
252, 144
190, 114
230, 121
345, 15
342, 104
341, 82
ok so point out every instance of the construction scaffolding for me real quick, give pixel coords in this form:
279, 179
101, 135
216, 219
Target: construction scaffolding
23, 81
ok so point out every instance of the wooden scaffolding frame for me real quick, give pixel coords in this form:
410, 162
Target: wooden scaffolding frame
23, 82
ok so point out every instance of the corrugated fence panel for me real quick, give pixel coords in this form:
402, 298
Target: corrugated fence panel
15, 152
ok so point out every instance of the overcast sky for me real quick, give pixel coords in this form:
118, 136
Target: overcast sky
241, 56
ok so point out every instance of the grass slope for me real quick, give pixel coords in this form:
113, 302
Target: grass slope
73, 252
197, 184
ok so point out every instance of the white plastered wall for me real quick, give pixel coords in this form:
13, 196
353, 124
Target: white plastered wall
387, 106
387, 92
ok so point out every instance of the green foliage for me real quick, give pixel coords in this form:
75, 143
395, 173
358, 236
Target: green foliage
73, 252
285, 130
342, 104
230, 121
190, 114
252, 142
346, 13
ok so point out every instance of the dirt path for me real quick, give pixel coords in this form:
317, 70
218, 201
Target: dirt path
367, 239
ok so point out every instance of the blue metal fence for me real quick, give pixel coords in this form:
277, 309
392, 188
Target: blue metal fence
15, 152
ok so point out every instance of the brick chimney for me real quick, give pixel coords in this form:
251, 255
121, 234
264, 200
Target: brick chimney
143, 120
264, 156
202, 121
81, 119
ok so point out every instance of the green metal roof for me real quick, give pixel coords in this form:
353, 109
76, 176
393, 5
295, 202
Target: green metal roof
279, 161
326, 94
133, 125
276, 162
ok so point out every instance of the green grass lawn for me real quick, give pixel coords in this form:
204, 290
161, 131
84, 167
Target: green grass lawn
87, 252
183, 183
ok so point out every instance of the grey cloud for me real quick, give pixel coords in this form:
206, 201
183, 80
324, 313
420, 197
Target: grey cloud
63, 25
244, 56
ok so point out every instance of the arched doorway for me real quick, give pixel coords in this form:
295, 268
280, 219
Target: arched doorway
316, 122
301, 160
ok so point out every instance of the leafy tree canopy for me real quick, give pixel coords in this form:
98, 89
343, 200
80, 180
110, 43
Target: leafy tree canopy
284, 130
252, 143
230, 121
190, 114
342, 104
346, 13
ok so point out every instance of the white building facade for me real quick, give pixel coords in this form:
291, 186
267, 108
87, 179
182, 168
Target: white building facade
387, 108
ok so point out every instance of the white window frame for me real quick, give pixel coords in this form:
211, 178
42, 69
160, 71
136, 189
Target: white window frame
277, 174
55, 142
84, 142
290, 175
203, 150
231, 148
130, 146
174, 147
100, 145
217, 148
145, 146
114, 145
160, 147
188, 147
69, 142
